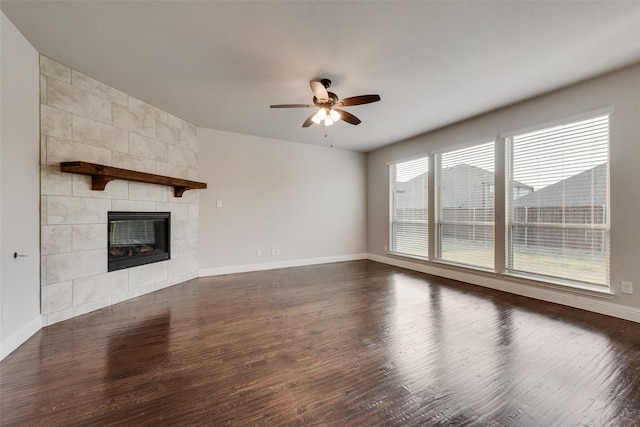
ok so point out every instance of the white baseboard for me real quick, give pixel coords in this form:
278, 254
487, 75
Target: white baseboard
204, 272
567, 297
20, 336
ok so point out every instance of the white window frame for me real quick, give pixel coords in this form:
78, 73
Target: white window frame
392, 246
438, 220
510, 223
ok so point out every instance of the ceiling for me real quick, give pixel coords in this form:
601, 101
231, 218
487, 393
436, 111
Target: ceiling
220, 64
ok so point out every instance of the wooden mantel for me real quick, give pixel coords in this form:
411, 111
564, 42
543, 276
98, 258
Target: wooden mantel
101, 175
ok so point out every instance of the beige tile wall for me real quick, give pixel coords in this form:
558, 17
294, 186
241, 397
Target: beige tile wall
84, 119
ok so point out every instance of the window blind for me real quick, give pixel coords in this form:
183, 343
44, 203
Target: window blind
409, 207
465, 184
558, 201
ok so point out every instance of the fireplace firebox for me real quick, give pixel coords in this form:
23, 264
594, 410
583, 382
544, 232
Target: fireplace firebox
138, 238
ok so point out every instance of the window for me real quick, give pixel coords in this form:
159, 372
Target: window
558, 202
465, 206
409, 204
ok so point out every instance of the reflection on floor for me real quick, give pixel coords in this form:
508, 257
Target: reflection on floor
346, 344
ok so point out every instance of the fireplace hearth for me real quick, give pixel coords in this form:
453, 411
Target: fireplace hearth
138, 238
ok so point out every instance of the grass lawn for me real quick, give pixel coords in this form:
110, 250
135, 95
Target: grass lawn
567, 263
572, 264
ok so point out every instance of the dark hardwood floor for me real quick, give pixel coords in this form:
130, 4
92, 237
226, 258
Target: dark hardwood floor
346, 344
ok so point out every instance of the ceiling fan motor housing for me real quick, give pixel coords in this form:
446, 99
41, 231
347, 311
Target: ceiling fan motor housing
333, 98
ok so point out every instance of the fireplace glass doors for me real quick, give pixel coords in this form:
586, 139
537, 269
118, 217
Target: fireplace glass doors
138, 238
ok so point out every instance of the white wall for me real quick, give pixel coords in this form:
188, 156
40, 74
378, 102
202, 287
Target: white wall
307, 201
19, 189
620, 90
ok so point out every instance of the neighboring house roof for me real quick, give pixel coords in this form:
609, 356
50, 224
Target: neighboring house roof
412, 193
473, 188
588, 188
466, 186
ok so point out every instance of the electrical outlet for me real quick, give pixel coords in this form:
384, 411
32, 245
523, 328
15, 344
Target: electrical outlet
258, 252
626, 287
219, 203
278, 251
5, 313
273, 252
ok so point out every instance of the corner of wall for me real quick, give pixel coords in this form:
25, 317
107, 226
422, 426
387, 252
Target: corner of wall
19, 214
19, 337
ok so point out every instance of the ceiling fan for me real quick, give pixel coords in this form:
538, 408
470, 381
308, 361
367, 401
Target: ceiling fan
327, 101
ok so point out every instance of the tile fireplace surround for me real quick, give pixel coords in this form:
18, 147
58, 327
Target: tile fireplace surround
83, 119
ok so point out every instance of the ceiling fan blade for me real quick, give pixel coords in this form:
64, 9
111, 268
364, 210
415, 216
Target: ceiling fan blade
319, 91
291, 106
359, 100
348, 117
309, 121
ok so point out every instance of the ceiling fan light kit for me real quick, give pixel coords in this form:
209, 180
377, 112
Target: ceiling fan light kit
327, 101
329, 116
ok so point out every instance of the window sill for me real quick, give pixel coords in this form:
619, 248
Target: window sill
581, 288
517, 278
401, 255
465, 267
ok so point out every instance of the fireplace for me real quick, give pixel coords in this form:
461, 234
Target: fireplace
138, 238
